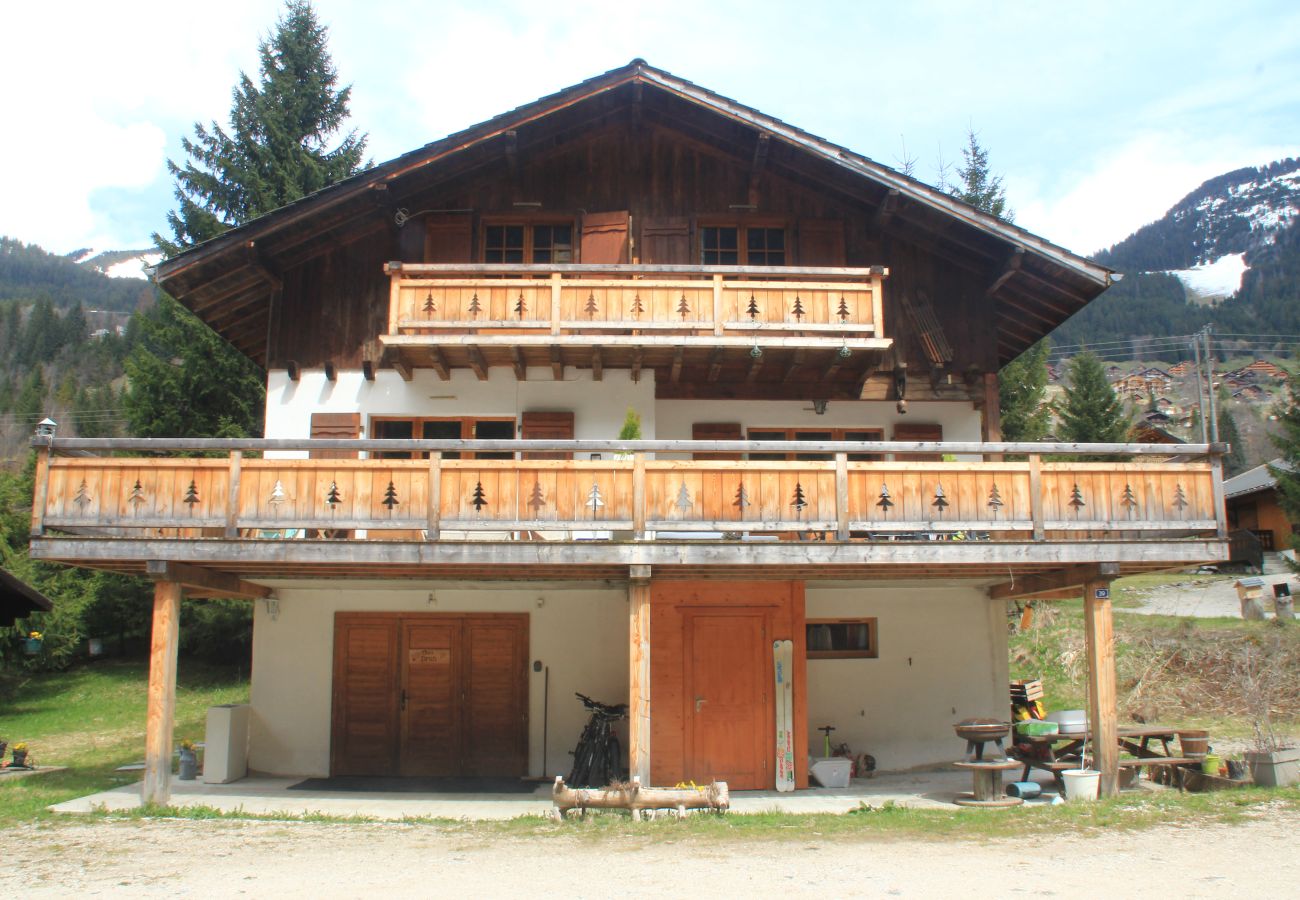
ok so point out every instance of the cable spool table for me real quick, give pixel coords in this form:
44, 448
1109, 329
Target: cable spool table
988, 783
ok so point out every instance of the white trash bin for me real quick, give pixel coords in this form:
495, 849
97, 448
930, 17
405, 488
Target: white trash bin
225, 751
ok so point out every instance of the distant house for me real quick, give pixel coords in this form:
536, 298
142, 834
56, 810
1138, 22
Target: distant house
1179, 370
1252, 504
1267, 369
18, 599
1250, 393
1142, 382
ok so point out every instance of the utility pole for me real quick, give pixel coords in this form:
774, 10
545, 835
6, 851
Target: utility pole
1209, 382
1200, 389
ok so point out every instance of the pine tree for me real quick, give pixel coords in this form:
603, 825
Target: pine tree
1234, 463
278, 146
1287, 473
1022, 395
977, 185
1091, 413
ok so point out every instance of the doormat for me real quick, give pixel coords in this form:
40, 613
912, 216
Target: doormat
383, 784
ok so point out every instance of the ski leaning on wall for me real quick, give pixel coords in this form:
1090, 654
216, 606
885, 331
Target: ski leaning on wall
783, 665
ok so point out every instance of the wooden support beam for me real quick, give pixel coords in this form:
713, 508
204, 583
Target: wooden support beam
1008, 271
991, 412
638, 701
368, 369
161, 703
757, 166
291, 367
1068, 578
832, 367
511, 139
755, 365
477, 362
402, 368
842, 497
433, 512
557, 363
200, 582
1036, 495
42, 491
715, 364
438, 363
1099, 631
232, 494
517, 362
796, 363
331, 373
636, 365
597, 365
676, 372
885, 212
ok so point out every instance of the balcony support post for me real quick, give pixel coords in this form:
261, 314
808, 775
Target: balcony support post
555, 302
1220, 501
638, 705
42, 491
841, 496
434, 492
638, 496
232, 495
717, 305
161, 709
1099, 631
1036, 495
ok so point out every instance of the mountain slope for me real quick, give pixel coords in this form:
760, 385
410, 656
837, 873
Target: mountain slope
28, 273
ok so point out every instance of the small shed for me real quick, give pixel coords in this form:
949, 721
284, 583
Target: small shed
19, 599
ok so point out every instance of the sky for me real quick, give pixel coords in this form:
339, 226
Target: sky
1099, 115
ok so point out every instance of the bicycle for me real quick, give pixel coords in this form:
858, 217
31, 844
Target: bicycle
597, 760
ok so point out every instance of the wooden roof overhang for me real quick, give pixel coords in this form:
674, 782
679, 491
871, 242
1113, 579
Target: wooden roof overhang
19, 599
1020, 568
1034, 284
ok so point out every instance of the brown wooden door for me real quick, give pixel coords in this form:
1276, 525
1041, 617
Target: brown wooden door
729, 728
430, 694
429, 702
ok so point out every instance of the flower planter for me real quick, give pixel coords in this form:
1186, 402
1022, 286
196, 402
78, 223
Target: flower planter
32, 646
189, 766
20, 759
1277, 769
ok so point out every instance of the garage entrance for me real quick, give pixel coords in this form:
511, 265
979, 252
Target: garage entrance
430, 694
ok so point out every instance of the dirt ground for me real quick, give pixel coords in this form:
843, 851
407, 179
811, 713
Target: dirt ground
231, 858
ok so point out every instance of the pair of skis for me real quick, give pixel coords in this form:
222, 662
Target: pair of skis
783, 664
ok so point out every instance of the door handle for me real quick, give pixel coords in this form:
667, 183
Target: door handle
699, 703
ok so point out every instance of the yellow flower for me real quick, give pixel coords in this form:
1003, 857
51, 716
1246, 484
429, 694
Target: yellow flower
20, 747
35, 635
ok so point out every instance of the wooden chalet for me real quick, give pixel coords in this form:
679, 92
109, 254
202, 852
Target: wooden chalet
445, 540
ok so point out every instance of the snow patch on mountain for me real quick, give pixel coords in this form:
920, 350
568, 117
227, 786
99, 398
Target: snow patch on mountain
135, 267
1213, 281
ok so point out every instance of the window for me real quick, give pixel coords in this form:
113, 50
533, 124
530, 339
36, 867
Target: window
518, 243
736, 245
863, 435
841, 638
444, 430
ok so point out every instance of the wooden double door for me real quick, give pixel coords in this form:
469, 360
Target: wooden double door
430, 694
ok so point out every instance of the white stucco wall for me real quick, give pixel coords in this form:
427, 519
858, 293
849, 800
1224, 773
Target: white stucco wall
943, 658
293, 663
598, 406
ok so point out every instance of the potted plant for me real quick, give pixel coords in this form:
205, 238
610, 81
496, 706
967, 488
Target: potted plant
1274, 762
631, 430
19, 755
189, 767
32, 643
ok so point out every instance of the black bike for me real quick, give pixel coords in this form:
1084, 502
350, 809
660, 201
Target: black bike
598, 758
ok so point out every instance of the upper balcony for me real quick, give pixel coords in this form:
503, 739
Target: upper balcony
446, 316
911, 510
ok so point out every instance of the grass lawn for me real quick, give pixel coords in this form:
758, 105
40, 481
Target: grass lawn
91, 719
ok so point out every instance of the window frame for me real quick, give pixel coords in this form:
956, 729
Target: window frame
742, 239
467, 425
529, 224
871, 651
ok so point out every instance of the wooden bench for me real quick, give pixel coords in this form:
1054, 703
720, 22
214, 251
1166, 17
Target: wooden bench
1170, 765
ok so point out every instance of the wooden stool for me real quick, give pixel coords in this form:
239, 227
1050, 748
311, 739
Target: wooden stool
988, 783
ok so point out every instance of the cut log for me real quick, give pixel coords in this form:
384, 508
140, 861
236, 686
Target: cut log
633, 797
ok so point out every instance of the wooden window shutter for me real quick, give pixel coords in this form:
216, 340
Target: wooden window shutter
338, 426
908, 431
547, 426
821, 242
717, 431
448, 238
666, 241
604, 238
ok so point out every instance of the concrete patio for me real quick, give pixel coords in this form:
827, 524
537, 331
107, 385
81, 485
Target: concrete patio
266, 795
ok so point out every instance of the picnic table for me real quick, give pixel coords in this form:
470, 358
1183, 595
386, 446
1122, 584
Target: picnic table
1057, 752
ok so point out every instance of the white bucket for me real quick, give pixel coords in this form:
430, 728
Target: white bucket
1081, 784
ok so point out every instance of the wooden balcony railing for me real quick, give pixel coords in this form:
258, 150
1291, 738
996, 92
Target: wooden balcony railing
613, 306
633, 493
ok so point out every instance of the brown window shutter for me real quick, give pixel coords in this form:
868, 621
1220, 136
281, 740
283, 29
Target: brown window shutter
717, 431
604, 238
666, 241
910, 431
338, 426
547, 426
448, 238
821, 242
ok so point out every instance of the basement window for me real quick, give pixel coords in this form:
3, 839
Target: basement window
841, 638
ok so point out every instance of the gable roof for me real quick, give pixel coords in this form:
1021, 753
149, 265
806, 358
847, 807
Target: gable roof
230, 278
18, 599
1253, 480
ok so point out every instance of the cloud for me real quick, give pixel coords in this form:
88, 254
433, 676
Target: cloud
1117, 192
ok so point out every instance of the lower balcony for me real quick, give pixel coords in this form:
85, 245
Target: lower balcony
913, 510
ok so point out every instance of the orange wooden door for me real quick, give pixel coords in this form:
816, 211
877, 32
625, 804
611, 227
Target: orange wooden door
430, 697
495, 695
365, 716
728, 714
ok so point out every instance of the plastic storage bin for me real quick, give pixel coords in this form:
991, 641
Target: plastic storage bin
831, 771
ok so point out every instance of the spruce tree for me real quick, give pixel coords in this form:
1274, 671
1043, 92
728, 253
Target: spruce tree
1022, 394
1287, 473
1234, 463
278, 147
977, 185
1091, 413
